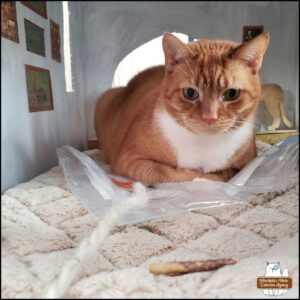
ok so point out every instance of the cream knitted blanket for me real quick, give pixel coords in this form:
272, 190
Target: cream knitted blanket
42, 223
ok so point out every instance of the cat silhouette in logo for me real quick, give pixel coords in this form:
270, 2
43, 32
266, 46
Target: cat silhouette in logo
273, 270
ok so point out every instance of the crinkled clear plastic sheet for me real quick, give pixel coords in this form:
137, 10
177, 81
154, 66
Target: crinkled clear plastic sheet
268, 172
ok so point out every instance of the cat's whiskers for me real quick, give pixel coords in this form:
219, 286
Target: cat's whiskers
247, 122
150, 126
174, 118
189, 66
240, 122
221, 126
189, 75
225, 122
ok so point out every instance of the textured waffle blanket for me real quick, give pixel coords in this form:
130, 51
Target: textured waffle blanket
42, 223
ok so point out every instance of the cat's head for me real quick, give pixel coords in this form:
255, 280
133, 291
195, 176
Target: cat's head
212, 85
273, 269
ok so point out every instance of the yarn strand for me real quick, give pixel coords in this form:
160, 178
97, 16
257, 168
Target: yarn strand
89, 246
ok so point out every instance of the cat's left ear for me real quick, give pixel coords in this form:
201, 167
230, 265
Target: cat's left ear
252, 52
174, 50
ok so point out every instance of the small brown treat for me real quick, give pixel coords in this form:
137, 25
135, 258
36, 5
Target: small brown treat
183, 267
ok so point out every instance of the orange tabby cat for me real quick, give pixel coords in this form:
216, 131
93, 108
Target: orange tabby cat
192, 117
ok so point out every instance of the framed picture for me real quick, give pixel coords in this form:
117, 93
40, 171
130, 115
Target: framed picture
9, 25
250, 32
34, 36
55, 41
40, 7
39, 89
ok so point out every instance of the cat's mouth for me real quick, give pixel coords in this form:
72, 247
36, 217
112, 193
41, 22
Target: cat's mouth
226, 125
221, 126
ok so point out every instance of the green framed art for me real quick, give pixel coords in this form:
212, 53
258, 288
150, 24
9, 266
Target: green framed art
34, 36
39, 89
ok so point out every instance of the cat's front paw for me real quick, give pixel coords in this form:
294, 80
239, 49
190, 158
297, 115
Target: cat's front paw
199, 179
192, 174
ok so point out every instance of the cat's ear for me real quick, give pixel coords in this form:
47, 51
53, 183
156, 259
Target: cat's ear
174, 50
252, 52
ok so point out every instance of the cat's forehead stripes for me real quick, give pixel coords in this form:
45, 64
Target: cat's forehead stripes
212, 76
211, 60
204, 47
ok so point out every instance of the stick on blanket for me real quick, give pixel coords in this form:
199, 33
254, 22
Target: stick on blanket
183, 267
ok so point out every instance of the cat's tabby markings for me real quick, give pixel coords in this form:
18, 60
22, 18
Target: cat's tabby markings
192, 117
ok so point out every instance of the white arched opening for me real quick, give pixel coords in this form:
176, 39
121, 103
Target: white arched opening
145, 56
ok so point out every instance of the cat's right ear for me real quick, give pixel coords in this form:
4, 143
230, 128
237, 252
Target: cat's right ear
174, 50
252, 52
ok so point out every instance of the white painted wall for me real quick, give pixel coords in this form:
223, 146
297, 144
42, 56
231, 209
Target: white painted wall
113, 29
135, 61
29, 140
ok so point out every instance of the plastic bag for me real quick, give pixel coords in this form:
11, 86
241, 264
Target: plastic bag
268, 172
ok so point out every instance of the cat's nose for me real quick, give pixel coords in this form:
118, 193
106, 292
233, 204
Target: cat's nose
209, 119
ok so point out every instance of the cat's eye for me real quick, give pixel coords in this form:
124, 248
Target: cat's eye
190, 94
231, 94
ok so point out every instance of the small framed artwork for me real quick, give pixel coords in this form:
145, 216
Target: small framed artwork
34, 36
9, 25
40, 7
55, 41
39, 89
250, 32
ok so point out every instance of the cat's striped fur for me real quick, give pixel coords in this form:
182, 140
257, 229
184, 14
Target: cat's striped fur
136, 143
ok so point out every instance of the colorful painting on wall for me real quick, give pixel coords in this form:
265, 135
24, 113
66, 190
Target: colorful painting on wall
34, 38
39, 89
55, 41
250, 32
40, 7
9, 25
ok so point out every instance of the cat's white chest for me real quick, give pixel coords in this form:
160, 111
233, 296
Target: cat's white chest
209, 152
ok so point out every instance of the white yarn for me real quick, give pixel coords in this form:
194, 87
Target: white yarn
88, 247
